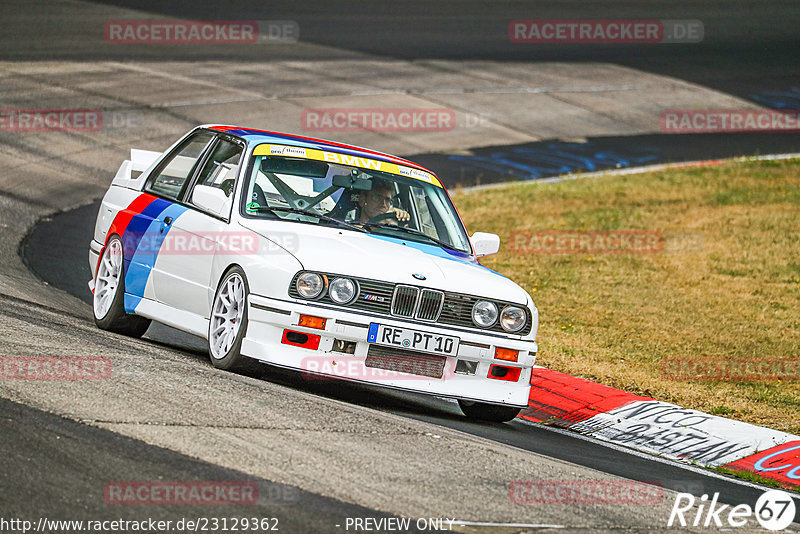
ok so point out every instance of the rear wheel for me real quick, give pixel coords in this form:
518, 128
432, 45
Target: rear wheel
109, 294
228, 324
480, 411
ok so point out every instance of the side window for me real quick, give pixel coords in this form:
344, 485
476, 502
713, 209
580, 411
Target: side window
221, 168
170, 177
425, 218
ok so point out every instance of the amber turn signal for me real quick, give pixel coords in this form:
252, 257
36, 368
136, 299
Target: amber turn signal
309, 321
506, 354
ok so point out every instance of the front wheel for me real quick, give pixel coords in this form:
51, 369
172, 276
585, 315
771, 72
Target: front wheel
109, 294
480, 411
228, 324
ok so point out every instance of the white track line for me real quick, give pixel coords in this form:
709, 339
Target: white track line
458, 523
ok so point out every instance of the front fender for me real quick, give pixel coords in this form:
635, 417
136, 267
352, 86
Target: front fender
268, 266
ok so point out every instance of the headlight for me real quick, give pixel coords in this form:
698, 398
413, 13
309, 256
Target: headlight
342, 290
310, 285
512, 318
484, 313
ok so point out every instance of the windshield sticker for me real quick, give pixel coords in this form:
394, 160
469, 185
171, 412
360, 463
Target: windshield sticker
413, 173
345, 159
282, 150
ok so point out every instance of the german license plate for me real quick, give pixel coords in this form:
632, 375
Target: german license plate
406, 338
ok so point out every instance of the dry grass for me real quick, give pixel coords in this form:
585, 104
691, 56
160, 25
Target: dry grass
726, 286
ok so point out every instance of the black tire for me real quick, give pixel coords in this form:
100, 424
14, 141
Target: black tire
115, 319
233, 360
492, 413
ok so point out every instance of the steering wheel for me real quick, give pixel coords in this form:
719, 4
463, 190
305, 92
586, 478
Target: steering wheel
389, 215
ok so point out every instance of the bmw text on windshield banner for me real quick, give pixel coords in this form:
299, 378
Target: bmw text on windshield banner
267, 149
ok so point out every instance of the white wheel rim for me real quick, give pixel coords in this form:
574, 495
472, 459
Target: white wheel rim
108, 276
226, 316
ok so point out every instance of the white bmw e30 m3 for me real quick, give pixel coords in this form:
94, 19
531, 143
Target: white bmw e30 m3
333, 260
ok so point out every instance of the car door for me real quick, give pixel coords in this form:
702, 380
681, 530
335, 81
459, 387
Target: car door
144, 235
183, 275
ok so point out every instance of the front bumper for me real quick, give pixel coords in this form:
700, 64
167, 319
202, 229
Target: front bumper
268, 319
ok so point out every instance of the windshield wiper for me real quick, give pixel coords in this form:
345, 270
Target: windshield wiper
412, 231
290, 209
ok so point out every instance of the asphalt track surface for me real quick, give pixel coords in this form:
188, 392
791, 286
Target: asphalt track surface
63, 460
750, 50
748, 46
59, 465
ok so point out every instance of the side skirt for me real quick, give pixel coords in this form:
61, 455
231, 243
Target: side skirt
182, 320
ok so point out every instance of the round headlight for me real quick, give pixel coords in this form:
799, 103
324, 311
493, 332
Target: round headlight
484, 313
310, 285
512, 318
342, 290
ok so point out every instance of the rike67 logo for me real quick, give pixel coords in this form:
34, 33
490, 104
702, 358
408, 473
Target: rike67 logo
774, 510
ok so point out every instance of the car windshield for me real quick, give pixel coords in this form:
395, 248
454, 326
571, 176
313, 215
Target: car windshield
354, 197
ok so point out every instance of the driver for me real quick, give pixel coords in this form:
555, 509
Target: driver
378, 201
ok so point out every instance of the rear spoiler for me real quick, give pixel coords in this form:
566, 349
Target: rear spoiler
141, 161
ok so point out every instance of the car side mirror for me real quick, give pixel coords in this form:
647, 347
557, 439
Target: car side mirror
485, 244
209, 198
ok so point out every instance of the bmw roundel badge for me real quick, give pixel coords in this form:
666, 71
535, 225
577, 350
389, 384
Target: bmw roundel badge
418, 276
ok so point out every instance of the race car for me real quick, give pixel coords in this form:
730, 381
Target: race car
336, 261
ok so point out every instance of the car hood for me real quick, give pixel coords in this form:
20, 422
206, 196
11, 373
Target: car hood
378, 257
